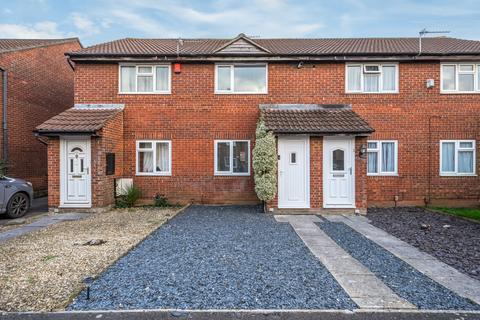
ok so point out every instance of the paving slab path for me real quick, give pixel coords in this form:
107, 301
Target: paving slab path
361, 284
436, 270
41, 223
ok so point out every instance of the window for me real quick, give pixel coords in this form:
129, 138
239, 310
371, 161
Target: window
457, 157
338, 160
145, 79
372, 78
244, 78
382, 157
460, 78
154, 158
232, 157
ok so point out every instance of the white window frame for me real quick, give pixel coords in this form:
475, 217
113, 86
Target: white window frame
232, 77
476, 80
154, 151
154, 75
362, 77
457, 149
230, 172
378, 150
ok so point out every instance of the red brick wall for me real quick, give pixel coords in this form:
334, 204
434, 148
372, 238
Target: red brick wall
53, 169
193, 116
40, 85
110, 141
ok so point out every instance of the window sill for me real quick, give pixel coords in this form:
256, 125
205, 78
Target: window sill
382, 174
147, 93
169, 174
231, 174
386, 92
458, 175
239, 93
459, 92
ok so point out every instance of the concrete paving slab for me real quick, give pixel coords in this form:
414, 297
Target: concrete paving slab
360, 283
39, 224
436, 270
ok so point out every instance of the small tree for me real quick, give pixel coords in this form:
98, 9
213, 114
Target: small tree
265, 163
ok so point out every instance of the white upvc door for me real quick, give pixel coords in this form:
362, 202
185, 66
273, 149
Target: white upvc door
75, 179
338, 172
293, 172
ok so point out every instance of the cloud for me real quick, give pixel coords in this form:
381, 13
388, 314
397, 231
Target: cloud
44, 29
7, 11
147, 26
84, 24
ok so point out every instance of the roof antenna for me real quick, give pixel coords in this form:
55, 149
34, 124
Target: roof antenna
422, 33
179, 43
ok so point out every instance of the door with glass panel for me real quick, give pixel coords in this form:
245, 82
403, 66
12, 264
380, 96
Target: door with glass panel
338, 172
75, 179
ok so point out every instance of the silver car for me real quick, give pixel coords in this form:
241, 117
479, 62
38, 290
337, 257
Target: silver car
15, 196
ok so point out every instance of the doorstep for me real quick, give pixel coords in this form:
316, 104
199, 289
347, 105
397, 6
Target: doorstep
317, 211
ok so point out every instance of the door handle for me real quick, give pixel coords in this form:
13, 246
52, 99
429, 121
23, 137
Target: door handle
350, 170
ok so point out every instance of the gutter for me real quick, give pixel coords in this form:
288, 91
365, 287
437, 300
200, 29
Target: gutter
4, 113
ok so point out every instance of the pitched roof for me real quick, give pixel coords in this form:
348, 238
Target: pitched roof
7, 45
78, 120
314, 119
314, 47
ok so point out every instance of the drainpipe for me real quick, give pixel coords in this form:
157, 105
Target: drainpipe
4, 113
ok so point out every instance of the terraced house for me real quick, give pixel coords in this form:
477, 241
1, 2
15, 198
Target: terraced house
360, 122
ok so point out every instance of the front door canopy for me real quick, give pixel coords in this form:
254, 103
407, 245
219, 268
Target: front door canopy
314, 119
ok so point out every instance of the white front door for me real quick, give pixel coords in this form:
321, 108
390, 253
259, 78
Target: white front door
338, 172
293, 172
75, 183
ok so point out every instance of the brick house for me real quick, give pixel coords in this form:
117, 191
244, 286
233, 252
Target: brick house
359, 122
36, 83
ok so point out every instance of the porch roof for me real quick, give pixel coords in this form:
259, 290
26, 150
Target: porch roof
314, 119
81, 119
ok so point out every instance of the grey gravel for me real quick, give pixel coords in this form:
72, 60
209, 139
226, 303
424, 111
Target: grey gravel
457, 245
402, 278
218, 257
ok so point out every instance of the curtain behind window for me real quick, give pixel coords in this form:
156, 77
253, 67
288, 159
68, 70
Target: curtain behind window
128, 79
448, 156
161, 79
163, 157
146, 161
354, 78
389, 83
372, 162
465, 161
372, 82
388, 157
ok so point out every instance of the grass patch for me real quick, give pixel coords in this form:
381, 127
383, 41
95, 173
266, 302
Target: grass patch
49, 257
471, 213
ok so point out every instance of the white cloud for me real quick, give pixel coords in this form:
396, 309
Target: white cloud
7, 11
148, 26
44, 29
84, 24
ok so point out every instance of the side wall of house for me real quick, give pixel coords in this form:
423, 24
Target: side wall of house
192, 117
40, 85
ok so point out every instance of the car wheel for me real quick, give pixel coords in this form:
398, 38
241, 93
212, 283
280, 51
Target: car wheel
18, 205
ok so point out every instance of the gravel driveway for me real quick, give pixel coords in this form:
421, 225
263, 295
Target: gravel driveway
450, 239
218, 257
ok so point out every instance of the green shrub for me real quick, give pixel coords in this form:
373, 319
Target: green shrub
132, 194
160, 201
265, 163
3, 168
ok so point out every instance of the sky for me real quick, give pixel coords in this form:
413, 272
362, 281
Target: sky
101, 21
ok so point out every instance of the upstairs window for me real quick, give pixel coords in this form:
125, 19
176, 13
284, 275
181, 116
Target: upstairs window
244, 78
460, 78
372, 78
145, 79
457, 157
382, 157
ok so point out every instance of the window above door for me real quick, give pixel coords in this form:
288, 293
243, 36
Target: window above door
371, 78
144, 79
241, 78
